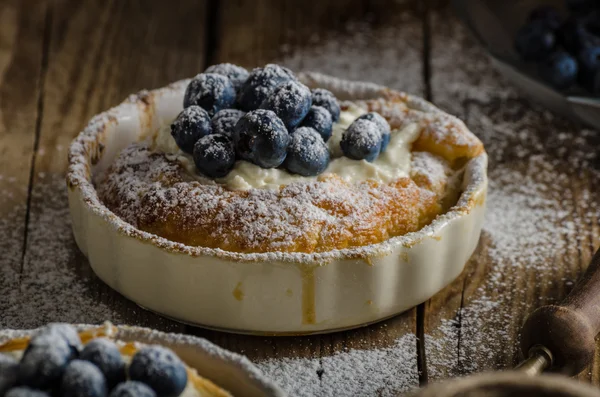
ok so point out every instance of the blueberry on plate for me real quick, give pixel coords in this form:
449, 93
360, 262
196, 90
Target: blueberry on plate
319, 119
210, 91
362, 140
308, 154
290, 101
548, 15
261, 138
589, 65
225, 120
22, 391
190, 125
105, 355
534, 41
44, 361
324, 98
382, 125
214, 155
260, 84
9, 372
559, 70
132, 388
236, 74
83, 379
159, 368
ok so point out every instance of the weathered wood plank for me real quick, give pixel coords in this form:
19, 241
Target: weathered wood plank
99, 52
541, 224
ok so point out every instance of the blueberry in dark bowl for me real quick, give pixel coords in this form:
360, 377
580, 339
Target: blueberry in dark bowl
573, 35
290, 101
236, 74
214, 155
382, 125
589, 65
132, 388
547, 15
308, 154
83, 379
362, 140
324, 98
260, 84
23, 391
320, 120
44, 361
534, 41
559, 70
9, 373
210, 91
261, 138
159, 368
190, 125
105, 355
225, 120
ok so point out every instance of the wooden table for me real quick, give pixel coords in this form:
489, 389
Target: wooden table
63, 61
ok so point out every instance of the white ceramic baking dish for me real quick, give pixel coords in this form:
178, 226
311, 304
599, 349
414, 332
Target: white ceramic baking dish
271, 293
230, 371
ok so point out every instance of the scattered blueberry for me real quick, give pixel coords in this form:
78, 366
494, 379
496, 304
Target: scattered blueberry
9, 373
308, 154
559, 70
214, 155
573, 35
534, 41
260, 84
324, 98
589, 65
225, 120
383, 126
290, 101
83, 379
362, 140
210, 91
105, 355
236, 74
319, 119
44, 361
261, 138
159, 368
190, 125
548, 15
132, 388
25, 392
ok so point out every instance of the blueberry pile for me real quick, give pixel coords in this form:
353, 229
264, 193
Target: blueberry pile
565, 49
269, 118
56, 364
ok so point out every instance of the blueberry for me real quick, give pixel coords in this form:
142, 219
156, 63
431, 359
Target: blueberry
308, 154
548, 15
260, 84
589, 64
9, 373
132, 388
574, 36
534, 41
210, 91
44, 361
290, 101
324, 98
261, 138
105, 355
25, 392
319, 119
159, 368
225, 120
362, 140
559, 70
66, 331
214, 155
190, 125
383, 126
83, 379
236, 74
